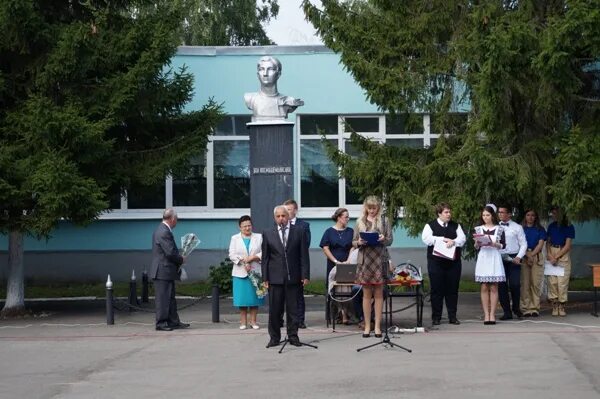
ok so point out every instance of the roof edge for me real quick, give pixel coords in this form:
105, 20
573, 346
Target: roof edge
212, 51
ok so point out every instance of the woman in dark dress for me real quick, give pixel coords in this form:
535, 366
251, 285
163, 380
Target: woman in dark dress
336, 244
337, 240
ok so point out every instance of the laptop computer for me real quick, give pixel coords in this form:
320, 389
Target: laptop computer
345, 273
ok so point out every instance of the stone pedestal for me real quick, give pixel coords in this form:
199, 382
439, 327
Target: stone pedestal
271, 169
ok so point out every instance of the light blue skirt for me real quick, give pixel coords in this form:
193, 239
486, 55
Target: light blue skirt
244, 293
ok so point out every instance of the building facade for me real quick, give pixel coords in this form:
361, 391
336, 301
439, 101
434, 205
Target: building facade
215, 191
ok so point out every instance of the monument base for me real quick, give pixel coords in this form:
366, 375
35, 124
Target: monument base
271, 169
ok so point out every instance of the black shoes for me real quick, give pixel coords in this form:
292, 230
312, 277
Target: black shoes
163, 328
302, 325
506, 316
454, 320
436, 322
519, 315
272, 343
179, 326
295, 341
489, 323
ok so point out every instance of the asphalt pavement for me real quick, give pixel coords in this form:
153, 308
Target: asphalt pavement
66, 350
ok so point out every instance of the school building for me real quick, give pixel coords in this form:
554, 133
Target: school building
216, 191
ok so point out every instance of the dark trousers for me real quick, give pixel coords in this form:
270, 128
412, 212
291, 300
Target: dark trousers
444, 278
512, 284
166, 305
301, 306
283, 296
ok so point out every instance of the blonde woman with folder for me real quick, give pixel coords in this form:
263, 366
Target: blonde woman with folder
245, 253
372, 259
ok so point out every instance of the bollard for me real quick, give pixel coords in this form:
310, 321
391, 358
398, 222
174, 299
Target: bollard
215, 303
145, 287
132, 291
110, 311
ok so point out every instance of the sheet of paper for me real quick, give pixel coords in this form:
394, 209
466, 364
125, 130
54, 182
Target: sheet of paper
440, 249
482, 239
551, 270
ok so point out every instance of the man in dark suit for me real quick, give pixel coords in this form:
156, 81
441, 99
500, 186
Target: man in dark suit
285, 269
292, 208
166, 262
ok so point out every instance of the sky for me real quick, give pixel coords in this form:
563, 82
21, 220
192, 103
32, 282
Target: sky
290, 27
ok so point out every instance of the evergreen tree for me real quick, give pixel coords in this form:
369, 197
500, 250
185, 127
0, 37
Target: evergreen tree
528, 71
88, 105
228, 22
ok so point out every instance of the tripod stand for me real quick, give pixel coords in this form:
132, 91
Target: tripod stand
387, 320
286, 341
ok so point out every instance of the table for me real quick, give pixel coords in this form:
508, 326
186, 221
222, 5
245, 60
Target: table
414, 291
596, 283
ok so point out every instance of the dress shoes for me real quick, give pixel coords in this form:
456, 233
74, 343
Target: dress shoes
454, 320
272, 343
506, 316
519, 315
436, 322
490, 322
295, 341
163, 328
301, 325
180, 326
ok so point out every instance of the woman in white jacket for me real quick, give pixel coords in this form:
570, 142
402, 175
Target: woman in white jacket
245, 253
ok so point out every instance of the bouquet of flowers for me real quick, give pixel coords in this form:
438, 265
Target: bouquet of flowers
189, 242
257, 282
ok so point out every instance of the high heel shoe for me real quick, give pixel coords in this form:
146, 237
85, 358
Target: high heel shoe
366, 335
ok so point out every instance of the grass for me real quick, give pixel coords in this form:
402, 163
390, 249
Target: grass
203, 288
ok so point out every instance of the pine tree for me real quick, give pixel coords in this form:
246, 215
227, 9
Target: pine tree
528, 71
88, 105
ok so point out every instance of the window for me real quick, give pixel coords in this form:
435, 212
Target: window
189, 189
318, 175
318, 124
352, 197
233, 125
414, 143
231, 174
146, 196
361, 124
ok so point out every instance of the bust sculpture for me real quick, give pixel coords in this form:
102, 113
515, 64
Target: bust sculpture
268, 104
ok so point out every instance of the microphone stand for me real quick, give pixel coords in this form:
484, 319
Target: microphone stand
385, 340
286, 339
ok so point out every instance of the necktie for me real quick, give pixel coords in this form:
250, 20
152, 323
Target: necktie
283, 237
445, 225
503, 224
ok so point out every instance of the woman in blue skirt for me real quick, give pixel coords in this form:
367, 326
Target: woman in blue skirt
245, 253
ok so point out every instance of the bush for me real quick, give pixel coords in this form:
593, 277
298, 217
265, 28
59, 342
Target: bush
221, 276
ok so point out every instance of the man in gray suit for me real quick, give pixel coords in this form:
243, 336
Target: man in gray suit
285, 269
166, 262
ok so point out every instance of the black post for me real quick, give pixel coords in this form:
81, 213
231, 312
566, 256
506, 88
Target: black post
215, 303
145, 287
110, 311
132, 291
